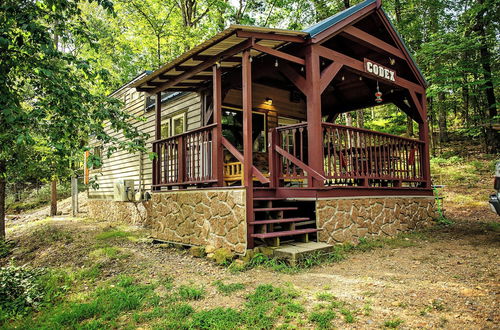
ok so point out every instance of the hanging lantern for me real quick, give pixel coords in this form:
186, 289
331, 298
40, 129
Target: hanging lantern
378, 95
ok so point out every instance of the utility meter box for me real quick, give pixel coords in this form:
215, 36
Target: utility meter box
123, 190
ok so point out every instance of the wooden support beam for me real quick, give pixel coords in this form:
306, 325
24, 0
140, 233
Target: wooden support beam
358, 66
207, 64
156, 161
370, 40
255, 171
270, 36
195, 77
423, 133
246, 77
280, 54
294, 77
217, 159
418, 106
204, 58
310, 171
328, 74
314, 127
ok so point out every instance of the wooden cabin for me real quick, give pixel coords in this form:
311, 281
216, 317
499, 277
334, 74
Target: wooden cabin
247, 149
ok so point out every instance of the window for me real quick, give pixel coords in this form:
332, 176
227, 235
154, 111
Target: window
179, 123
232, 128
173, 125
165, 129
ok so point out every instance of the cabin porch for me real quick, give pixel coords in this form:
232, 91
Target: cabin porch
292, 172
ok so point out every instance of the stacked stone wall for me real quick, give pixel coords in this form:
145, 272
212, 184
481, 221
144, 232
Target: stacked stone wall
344, 220
203, 217
135, 213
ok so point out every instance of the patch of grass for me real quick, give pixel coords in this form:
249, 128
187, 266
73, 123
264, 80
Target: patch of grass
393, 324
112, 234
190, 292
49, 234
218, 318
227, 289
348, 316
493, 226
367, 309
325, 296
323, 319
92, 273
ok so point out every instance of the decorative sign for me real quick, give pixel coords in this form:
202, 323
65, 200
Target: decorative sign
379, 70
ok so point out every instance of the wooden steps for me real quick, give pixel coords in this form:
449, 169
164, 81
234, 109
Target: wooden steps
271, 209
280, 218
286, 233
271, 221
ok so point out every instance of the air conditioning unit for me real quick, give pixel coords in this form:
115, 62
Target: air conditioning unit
123, 190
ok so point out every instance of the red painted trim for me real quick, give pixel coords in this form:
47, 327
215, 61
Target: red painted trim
328, 74
360, 35
255, 171
335, 29
294, 77
360, 68
217, 158
270, 36
280, 54
299, 163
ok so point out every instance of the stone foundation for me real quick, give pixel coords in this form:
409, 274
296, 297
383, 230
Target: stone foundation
348, 219
136, 213
203, 217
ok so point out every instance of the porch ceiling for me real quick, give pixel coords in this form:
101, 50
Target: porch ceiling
214, 49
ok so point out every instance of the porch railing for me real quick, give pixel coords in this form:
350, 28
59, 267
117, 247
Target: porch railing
351, 157
184, 159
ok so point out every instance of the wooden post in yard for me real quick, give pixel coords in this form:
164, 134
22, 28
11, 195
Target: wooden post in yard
53, 198
217, 152
247, 140
314, 126
74, 196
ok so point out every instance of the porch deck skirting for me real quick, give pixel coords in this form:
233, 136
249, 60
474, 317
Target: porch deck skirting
217, 217
201, 217
347, 219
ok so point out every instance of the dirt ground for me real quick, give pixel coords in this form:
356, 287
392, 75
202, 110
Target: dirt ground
447, 277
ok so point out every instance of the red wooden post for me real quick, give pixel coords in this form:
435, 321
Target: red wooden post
273, 159
247, 139
314, 127
423, 134
181, 159
156, 162
217, 152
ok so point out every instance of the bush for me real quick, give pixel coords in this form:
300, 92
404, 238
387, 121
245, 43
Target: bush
20, 289
5, 248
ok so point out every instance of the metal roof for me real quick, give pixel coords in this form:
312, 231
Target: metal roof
212, 47
229, 38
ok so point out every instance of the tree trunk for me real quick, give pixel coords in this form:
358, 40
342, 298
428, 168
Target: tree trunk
53, 198
360, 118
3, 183
409, 126
492, 137
442, 120
347, 4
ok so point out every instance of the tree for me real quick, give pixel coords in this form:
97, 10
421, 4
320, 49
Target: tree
49, 97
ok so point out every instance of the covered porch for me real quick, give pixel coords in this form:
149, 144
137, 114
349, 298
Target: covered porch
306, 77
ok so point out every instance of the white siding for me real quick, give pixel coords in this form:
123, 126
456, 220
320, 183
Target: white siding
125, 166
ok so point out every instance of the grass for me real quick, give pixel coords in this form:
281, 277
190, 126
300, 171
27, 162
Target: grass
393, 324
187, 292
113, 234
323, 319
227, 289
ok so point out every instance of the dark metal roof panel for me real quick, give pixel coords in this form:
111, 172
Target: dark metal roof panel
332, 20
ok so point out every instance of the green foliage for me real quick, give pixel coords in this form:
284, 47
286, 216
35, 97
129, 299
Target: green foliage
218, 318
6, 248
190, 292
20, 289
227, 289
323, 319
